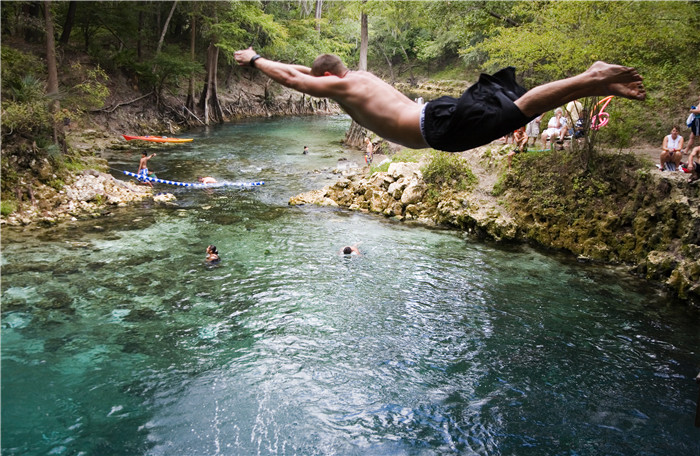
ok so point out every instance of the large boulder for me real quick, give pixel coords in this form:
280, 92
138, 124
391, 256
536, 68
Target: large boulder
413, 192
407, 170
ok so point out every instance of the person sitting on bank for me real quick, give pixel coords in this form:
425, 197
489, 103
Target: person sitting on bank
520, 141
212, 254
556, 128
532, 129
580, 125
487, 110
206, 180
671, 148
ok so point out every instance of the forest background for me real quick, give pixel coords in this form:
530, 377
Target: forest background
60, 58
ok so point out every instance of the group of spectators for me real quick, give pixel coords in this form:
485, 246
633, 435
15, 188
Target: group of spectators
569, 123
562, 125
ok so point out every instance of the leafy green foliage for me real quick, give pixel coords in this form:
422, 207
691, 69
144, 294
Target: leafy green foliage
87, 88
242, 24
660, 39
17, 65
168, 69
27, 118
7, 207
448, 170
25, 90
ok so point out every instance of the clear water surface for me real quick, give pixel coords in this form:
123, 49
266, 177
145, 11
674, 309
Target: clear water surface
117, 339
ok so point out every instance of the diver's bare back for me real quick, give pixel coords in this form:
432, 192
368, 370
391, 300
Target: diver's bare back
379, 107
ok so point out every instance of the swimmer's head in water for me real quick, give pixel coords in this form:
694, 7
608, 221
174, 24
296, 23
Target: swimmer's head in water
347, 250
212, 249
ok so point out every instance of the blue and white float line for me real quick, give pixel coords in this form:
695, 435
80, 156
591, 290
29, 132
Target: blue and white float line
142, 178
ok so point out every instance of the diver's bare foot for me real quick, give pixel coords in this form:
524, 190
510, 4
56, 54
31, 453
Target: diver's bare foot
633, 90
609, 73
618, 80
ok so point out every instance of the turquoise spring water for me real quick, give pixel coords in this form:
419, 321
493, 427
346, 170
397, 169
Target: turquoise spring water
117, 339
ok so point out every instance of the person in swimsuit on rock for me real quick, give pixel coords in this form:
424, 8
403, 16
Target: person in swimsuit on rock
494, 106
143, 166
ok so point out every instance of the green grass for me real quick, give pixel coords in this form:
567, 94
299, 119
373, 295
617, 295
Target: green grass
7, 207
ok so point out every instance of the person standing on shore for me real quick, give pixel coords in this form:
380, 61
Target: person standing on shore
369, 151
143, 166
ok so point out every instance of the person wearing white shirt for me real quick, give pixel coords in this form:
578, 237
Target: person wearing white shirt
671, 152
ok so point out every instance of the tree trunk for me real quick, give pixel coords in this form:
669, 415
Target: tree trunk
411, 78
218, 112
319, 8
52, 83
68, 25
388, 64
355, 136
210, 98
190, 87
364, 42
165, 28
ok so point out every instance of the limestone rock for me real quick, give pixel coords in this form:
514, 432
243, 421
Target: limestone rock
413, 193
408, 170
164, 198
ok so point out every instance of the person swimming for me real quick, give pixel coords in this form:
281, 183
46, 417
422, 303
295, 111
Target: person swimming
350, 250
212, 254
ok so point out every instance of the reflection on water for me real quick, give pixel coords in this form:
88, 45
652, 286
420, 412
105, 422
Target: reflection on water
118, 339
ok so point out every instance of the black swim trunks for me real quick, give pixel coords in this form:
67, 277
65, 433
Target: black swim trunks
485, 111
695, 126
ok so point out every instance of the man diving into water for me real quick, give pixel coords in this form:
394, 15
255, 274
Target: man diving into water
494, 106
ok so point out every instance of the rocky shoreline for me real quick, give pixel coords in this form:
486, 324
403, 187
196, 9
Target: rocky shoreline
90, 195
659, 242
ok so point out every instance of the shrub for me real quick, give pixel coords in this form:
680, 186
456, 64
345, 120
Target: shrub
26, 89
88, 88
25, 118
7, 207
445, 169
17, 65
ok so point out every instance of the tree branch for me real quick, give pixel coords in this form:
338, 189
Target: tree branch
114, 108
